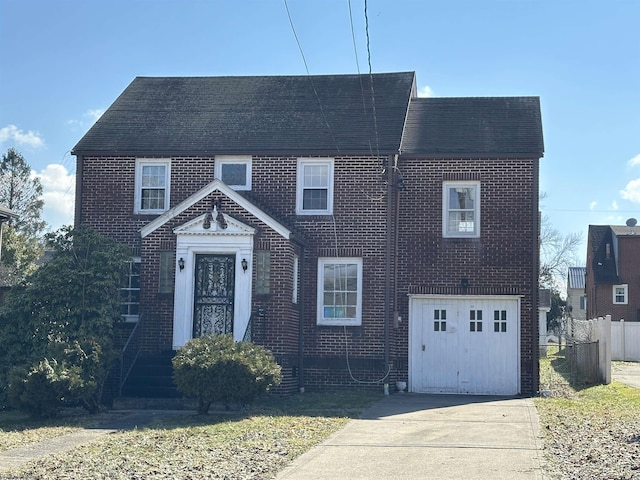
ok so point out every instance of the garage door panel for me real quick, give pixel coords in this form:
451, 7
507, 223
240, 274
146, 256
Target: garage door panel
465, 345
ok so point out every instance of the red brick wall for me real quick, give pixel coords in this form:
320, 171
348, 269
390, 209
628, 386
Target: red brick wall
503, 260
503, 257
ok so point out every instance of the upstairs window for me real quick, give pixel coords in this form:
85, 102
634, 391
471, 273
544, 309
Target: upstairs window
340, 291
461, 209
152, 185
621, 294
314, 192
235, 171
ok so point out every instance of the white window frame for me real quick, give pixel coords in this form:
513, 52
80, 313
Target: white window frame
446, 187
151, 162
221, 160
625, 293
301, 187
133, 317
342, 321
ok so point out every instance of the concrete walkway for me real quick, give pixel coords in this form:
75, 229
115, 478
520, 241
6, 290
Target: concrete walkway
18, 457
413, 436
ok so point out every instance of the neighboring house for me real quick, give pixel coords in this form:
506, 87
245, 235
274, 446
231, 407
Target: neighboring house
613, 271
576, 293
362, 234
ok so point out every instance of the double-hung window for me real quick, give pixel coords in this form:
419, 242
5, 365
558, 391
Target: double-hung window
461, 209
152, 185
233, 170
314, 192
620, 294
340, 291
130, 291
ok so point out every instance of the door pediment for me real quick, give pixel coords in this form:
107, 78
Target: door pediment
214, 223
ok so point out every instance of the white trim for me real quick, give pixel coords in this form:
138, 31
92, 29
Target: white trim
191, 241
446, 186
151, 162
221, 160
300, 186
321, 320
296, 272
625, 288
216, 185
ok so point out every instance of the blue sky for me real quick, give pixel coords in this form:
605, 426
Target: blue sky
63, 62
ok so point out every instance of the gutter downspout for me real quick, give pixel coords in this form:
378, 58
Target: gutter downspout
301, 270
388, 271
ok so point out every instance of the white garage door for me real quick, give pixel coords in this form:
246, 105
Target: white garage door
460, 344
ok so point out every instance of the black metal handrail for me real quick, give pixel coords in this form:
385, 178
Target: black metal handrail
247, 333
129, 353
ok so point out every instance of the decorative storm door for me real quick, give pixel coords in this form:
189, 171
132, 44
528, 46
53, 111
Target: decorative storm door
213, 295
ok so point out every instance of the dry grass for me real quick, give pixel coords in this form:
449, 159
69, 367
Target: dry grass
590, 432
251, 444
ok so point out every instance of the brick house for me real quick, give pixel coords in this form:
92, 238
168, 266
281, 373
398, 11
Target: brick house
364, 235
613, 271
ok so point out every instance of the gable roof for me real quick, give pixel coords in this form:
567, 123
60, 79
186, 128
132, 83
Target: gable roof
602, 259
474, 127
215, 185
259, 114
575, 277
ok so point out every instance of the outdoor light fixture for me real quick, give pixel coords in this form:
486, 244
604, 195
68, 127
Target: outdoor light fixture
244, 264
181, 263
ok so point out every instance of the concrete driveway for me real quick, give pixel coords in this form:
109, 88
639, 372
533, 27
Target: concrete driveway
626, 372
415, 436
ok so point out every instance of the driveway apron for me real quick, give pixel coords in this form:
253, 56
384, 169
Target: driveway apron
416, 436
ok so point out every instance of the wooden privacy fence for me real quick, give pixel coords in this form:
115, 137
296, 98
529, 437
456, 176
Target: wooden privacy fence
589, 345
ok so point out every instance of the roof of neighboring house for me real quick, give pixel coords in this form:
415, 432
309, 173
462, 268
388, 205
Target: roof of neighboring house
258, 114
603, 263
625, 230
6, 214
474, 126
576, 276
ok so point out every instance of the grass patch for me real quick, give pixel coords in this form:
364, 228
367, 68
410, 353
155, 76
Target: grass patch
255, 442
591, 431
18, 430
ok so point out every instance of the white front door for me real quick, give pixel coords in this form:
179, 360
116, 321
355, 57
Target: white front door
461, 344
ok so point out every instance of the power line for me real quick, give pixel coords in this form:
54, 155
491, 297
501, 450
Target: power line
324, 117
373, 97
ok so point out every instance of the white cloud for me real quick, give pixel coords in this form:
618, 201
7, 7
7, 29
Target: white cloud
634, 161
13, 133
632, 191
614, 205
593, 205
425, 91
58, 187
88, 118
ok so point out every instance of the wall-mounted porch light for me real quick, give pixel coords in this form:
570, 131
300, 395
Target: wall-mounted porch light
181, 263
244, 264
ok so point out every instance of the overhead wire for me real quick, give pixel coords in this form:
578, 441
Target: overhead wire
306, 66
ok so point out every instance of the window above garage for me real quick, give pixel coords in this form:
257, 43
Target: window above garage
461, 209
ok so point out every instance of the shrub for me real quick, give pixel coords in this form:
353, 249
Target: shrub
217, 369
38, 391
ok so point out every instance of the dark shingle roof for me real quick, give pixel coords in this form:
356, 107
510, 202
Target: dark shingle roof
263, 114
602, 263
474, 126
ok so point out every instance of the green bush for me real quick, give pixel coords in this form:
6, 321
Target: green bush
217, 369
38, 391
73, 376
